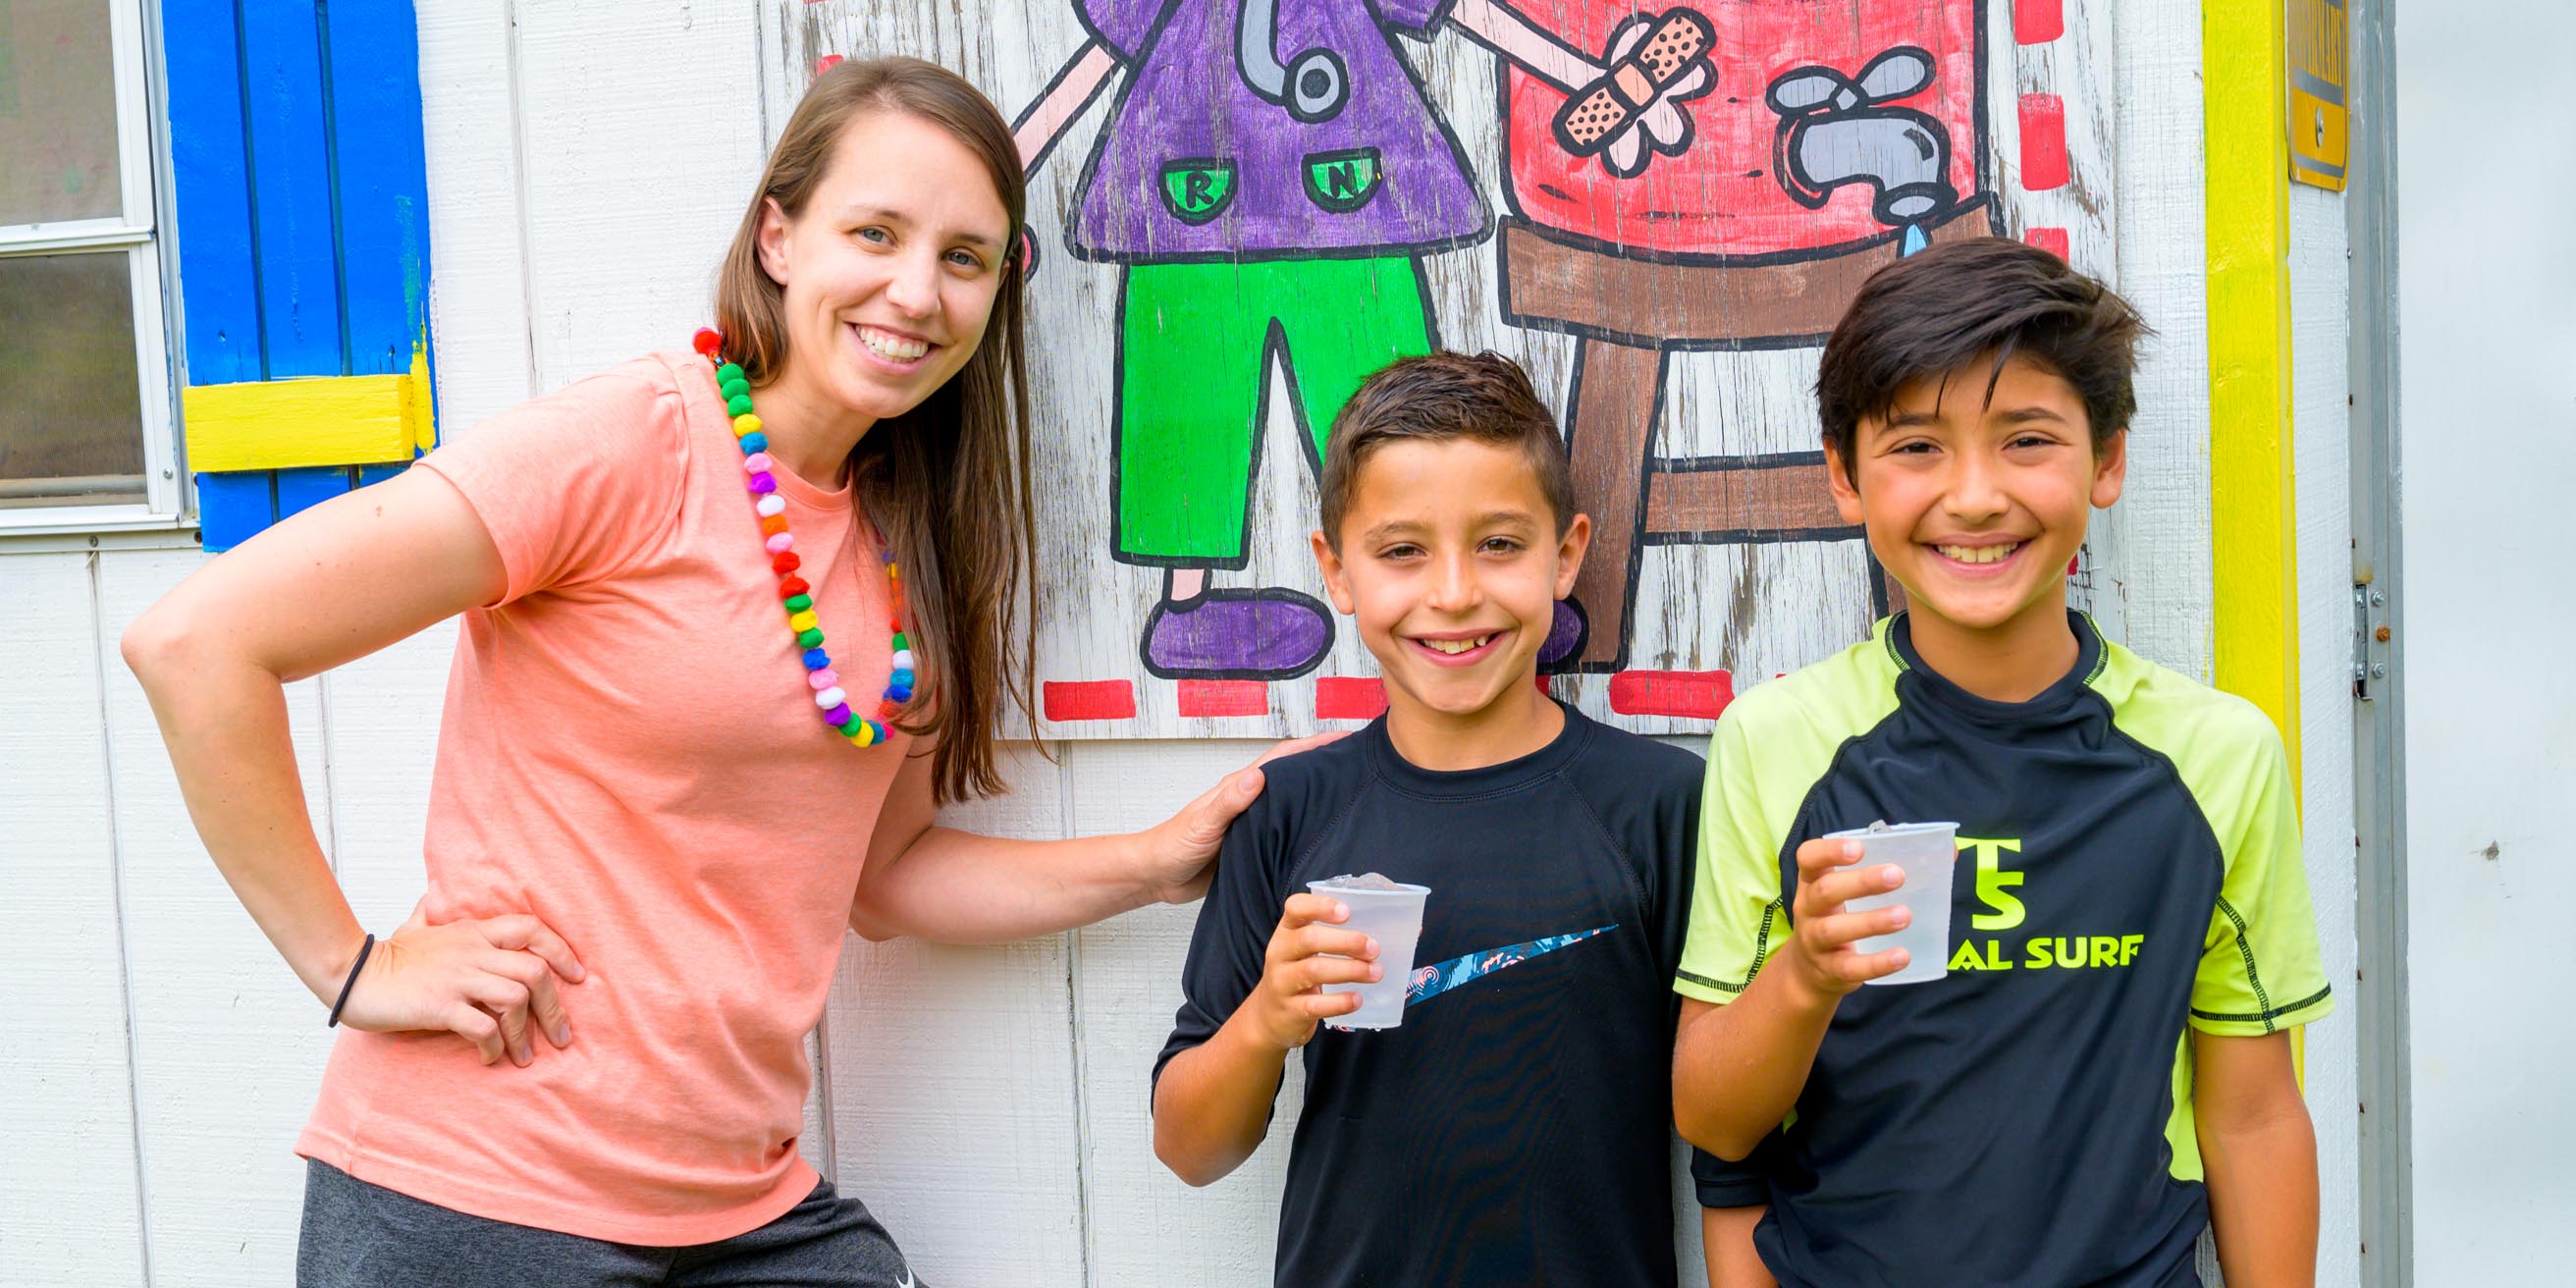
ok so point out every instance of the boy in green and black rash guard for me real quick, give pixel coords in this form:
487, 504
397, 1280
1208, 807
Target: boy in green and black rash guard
2106, 1068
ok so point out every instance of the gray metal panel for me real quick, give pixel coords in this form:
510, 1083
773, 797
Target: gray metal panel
2379, 795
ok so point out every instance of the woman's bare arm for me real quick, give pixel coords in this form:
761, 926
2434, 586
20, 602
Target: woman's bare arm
324, 587
951, 886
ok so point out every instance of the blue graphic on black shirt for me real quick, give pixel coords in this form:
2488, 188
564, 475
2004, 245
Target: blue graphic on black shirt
1431, 981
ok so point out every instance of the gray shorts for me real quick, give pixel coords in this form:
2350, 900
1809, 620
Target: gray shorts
358, 1235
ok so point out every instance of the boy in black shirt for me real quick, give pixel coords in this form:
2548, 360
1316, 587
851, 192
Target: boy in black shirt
1516, 1128
2106, 1069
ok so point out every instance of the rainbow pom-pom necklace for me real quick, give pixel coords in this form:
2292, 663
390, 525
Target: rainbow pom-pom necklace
793, 592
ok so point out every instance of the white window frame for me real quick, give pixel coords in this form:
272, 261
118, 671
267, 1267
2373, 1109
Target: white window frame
142, 229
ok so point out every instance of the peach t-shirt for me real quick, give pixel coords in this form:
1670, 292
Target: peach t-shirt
631, 753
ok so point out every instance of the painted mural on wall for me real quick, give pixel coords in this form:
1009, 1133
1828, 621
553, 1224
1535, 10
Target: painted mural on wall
1254, 208
1821, 141
1283, 195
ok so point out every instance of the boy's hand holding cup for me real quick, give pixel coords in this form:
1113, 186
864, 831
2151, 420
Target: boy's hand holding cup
1308, 951
1883, 922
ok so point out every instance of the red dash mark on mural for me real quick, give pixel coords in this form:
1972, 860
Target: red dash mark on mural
2037, 22
1090, 700
2052, 240
1349, 697
2043, 142
1691, 695
1225, 698
828, 61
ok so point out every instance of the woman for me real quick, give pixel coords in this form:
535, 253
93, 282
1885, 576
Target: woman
581, 1060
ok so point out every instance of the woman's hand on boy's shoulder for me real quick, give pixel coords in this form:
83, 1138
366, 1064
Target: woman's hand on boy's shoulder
1306, 952
1822, 961
1180, 851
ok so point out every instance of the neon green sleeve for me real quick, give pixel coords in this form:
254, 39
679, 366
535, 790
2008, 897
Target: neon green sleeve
2259, 967
1736, 912
1771, 746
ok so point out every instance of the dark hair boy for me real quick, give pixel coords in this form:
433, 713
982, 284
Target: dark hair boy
1515, 1127
2105, 1070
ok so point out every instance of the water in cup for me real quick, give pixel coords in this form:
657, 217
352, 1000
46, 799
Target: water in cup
1927, 853
1391, 913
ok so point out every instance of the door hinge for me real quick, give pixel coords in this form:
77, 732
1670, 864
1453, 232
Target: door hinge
2370, 634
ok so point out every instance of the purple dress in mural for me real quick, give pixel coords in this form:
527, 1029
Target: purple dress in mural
1269, 177
1189, 101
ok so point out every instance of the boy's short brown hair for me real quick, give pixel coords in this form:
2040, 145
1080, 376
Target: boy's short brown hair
1990, 298
1438, 397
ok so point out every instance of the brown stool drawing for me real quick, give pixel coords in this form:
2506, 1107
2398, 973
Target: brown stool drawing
1628, 312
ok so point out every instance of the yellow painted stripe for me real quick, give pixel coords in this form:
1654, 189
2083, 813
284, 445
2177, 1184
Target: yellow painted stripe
417, 403
2252, 491
285, 424
2253, 494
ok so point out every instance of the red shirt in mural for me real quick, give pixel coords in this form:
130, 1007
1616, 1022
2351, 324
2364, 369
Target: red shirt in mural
1724, 194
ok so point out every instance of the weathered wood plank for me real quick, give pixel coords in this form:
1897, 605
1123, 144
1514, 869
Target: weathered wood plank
2164, 569
2320, 318
622, 256
953, 1093
470, 130
380, 718
228, 1046
1146, 1226
67, 1111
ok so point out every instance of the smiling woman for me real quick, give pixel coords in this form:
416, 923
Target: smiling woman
637, 826
862, 279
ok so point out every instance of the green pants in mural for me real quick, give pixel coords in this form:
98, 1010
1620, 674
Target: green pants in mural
1193, 380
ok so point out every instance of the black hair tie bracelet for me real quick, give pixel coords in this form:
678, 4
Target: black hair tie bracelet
351, 982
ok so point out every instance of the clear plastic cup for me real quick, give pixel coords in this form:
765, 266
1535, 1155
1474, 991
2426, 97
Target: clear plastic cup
1928, 853
1391, 913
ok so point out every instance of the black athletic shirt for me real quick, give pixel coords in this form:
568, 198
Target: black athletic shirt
2128, 869
1517, 1128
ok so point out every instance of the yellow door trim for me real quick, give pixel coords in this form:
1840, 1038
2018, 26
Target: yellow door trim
2252, 488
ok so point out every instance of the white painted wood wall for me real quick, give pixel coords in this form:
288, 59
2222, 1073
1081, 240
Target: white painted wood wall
2483, 337
587, 160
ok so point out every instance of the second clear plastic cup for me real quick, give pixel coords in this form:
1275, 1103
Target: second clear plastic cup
1394, 918
1928, 853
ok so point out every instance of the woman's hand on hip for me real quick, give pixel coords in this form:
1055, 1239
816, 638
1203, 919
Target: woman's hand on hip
1180, 850
483, 978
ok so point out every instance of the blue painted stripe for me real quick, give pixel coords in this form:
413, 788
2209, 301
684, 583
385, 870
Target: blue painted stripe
299, 490
211, 191
370, 475
233, 508
374, 78
299, 278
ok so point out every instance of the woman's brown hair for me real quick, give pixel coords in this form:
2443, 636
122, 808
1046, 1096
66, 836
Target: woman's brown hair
949, 480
